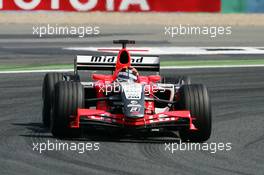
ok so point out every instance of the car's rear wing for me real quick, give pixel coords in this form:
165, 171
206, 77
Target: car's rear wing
141, 63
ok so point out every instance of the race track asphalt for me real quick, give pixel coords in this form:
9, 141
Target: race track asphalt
237, 99
237, 96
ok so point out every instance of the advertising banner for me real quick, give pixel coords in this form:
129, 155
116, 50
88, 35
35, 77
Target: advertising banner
114, 5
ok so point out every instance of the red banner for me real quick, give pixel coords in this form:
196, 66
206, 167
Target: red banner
114, 5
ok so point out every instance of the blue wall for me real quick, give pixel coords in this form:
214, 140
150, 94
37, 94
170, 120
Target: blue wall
256, 6
243, 6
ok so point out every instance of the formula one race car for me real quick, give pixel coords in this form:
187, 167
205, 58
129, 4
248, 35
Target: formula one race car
125, 99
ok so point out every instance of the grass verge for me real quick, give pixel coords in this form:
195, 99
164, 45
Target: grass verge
180, 63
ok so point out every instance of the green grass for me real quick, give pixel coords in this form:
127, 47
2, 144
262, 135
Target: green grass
182, 63
34, 67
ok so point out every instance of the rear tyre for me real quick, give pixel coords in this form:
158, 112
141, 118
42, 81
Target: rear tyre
69, 96
48, 85
195, 99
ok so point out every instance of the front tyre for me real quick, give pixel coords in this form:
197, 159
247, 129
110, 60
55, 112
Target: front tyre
69, 96
195, 99
48, 85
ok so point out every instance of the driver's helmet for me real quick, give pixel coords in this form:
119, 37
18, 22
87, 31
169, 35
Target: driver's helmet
127, 74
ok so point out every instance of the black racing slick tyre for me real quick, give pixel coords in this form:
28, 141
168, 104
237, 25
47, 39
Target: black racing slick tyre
68, 97
195, 99
48, 85
181, 80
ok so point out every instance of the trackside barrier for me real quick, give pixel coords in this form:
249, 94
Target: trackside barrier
114, 5
243, 6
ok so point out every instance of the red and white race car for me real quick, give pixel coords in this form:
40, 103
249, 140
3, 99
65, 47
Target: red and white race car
125, 99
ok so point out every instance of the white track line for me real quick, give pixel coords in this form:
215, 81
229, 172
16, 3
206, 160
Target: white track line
206, 67
163, 67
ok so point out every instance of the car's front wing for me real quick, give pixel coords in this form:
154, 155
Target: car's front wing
170, 119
